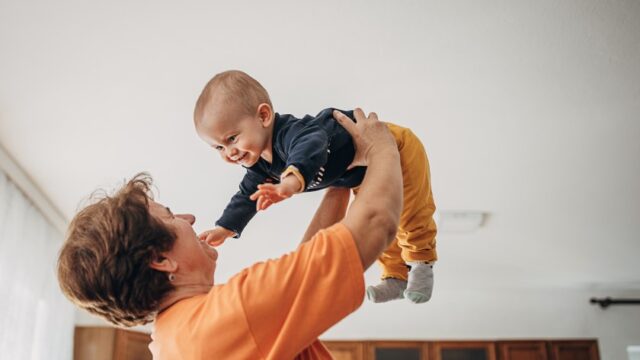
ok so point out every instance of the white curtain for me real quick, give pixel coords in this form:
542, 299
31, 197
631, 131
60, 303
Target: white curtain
36, 321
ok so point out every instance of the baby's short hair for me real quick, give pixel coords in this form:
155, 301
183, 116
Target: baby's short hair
237, 89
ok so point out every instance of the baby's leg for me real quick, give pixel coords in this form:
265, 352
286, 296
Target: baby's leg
394, 276
417, 227
415, 243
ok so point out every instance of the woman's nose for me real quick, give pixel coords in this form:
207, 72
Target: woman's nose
188, 217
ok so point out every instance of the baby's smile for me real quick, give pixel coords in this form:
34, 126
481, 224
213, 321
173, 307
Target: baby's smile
238, 158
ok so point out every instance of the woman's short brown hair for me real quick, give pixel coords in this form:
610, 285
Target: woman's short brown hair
103, 266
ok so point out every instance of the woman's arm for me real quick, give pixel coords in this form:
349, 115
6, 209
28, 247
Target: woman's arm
331, 210
373, 217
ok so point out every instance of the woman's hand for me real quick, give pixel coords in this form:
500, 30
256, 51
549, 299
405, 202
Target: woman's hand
368, 133
373, 216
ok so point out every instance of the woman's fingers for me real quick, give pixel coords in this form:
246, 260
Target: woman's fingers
357, 131
346, 123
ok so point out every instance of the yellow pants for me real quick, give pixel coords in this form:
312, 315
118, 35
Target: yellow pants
416, 236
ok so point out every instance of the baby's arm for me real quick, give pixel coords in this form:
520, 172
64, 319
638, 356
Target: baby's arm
269, 194
306, 150
216, 236
237, 213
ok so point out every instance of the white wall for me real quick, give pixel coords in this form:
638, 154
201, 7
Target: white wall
502, 314
616, 327
528, 108
486, 314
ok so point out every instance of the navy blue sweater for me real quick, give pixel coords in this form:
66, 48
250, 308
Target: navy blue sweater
318, 146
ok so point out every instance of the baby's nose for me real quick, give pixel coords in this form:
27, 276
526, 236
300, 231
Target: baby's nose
233, 154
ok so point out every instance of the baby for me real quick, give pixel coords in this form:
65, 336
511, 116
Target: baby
285, 155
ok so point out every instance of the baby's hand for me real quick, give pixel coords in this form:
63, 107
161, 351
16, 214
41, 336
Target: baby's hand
269, 194
216, 236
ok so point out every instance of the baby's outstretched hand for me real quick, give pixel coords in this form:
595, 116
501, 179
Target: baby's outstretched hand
269, 194
215, 236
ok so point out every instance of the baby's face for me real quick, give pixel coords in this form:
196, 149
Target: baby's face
239, 139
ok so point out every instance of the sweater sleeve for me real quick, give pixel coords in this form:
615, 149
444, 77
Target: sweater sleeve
240, 210
306, 148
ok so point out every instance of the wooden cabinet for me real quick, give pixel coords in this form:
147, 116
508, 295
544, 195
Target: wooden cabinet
573, 350
346, 350
522, 350
106, 343
465, 350
397, 350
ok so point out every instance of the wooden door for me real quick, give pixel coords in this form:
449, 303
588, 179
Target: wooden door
574, 350
346, 350
397, 350
132, 345
463, 350
522, 350
108, 343
93, 343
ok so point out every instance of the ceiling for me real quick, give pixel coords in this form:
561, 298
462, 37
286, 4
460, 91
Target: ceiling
529, 110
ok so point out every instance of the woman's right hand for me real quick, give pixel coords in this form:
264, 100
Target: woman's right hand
216, 236
373, 216
368, 133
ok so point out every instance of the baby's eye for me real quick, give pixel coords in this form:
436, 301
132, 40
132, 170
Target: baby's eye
218, 147
232, 139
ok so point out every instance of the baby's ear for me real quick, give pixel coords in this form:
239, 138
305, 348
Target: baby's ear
265, 113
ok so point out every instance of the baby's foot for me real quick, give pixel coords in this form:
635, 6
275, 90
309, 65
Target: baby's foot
387, 290
420, 284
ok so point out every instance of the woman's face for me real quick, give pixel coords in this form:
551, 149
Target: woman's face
196, 260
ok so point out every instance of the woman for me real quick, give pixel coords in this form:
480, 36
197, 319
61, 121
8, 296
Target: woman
130, 260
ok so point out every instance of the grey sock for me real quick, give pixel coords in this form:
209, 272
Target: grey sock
387, 290
420, 284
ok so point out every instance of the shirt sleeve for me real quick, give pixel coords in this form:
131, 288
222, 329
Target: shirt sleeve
291, 301
306, 150
241, 209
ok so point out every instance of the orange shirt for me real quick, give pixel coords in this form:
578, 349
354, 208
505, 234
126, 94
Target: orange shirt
271, 310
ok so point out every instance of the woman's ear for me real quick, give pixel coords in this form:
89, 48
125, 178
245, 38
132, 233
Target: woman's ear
265, 113
164, 264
